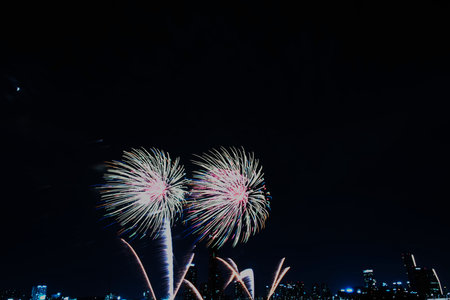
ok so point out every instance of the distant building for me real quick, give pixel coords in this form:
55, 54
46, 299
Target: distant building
423, 281
325, 292
315, 291
204, 290
56, 296
296, 290
191, 275
370, 284
291, 291
302, 291
238, 291
39, 292
12, 294
112, 296
215, 284
434, 285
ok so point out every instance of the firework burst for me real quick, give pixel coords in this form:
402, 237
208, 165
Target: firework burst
229, 201
144, 191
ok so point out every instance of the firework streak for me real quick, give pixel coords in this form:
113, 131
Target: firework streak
236, 275
277, 278
142, 268
192, 287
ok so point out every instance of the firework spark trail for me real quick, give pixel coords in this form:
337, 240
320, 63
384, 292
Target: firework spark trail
192, 287
281, 277
278, 277
277, 273
168, 258
183, 275
233, 264
236, 275
278, 282
142, 268
143, 191
248, 277
230, 279
229, 201
246, 274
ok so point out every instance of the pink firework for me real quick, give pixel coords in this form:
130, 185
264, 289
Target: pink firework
229, 198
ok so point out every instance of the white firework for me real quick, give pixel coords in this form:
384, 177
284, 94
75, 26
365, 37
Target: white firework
228, 200
144, 191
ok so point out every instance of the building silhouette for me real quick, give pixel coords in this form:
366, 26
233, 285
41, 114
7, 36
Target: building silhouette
370, 284
191, 275
424, 281
13, 294
238, 291
39, 292
325, 292
315, 291
213, 290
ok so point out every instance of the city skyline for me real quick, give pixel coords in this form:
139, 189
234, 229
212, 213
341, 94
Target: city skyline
342, 103
368, 284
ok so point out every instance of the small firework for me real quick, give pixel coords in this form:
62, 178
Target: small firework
144, 191
245, 278
172, 294
236, 275
228, 197
149, 285
277, 278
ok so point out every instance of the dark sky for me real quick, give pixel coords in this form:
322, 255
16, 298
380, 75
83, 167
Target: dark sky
342, 102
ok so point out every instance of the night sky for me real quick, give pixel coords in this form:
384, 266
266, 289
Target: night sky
342, 102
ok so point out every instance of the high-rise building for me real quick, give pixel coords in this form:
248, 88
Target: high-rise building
215, 284
370, 284
56, 296
423, 281
301, 291
39, 292
238, 291
204, 290
409, 263
13, 294
288, 291
434, 284
191, 275
326, 292
111, 296
315, 291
